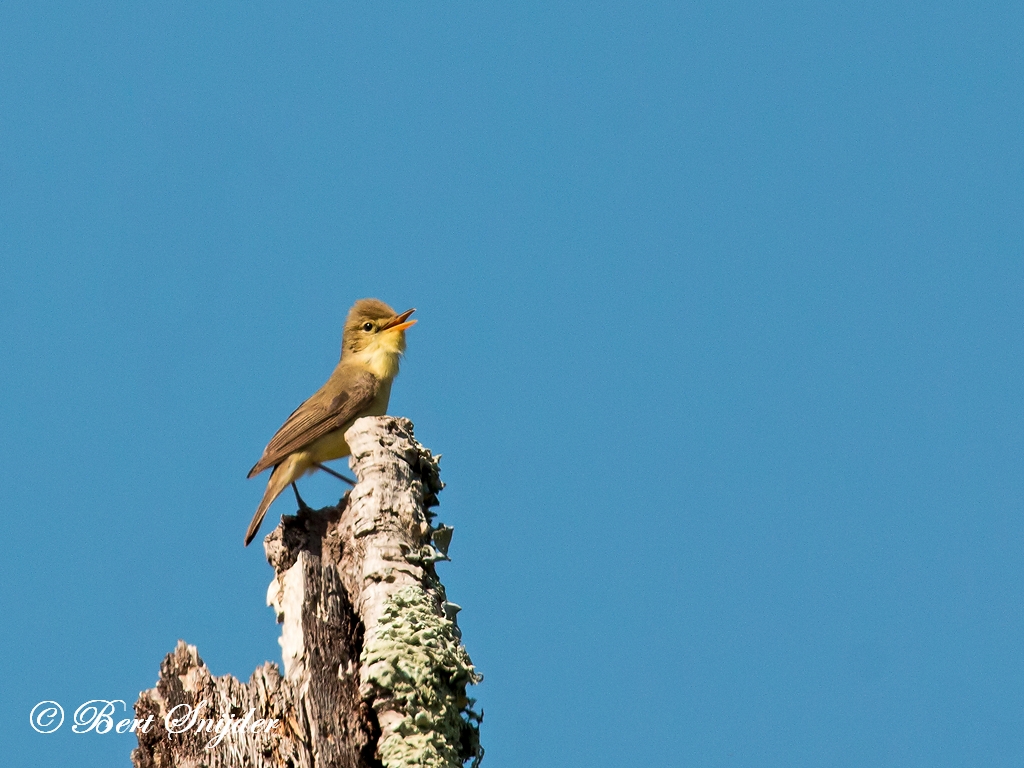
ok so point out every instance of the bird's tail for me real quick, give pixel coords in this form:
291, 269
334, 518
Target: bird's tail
284, 473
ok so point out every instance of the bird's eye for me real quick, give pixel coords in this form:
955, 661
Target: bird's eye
367, 327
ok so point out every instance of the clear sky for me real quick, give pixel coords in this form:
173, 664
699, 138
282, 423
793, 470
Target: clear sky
720, 336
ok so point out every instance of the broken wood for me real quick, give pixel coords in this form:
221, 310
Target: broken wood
374, 670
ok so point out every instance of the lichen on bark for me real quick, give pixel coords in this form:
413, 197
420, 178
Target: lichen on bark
375, 673
418, 670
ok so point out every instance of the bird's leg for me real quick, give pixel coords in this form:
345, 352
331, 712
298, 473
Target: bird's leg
338, 475
303, 506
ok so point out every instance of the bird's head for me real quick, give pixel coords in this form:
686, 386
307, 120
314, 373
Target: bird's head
375, 335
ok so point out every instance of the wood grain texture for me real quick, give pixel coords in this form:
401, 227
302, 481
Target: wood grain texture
374, 670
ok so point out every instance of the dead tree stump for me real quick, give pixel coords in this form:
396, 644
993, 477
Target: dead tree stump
374, 670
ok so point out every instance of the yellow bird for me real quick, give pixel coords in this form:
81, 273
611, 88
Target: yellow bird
372, 344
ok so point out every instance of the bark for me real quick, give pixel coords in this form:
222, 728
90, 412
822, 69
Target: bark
374, 670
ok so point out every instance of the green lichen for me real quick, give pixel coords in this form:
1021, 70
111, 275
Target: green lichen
419, 669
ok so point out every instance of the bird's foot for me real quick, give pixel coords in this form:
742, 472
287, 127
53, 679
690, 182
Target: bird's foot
303, 506
338, 475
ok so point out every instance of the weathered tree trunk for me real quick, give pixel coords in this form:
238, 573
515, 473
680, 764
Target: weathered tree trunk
374, 672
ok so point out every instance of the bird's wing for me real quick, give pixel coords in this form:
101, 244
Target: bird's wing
348, 392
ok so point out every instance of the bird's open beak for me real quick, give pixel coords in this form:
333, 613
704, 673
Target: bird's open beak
398, 323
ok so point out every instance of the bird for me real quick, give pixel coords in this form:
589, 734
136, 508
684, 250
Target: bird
372, 345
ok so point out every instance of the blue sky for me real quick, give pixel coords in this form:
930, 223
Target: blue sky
720, 336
